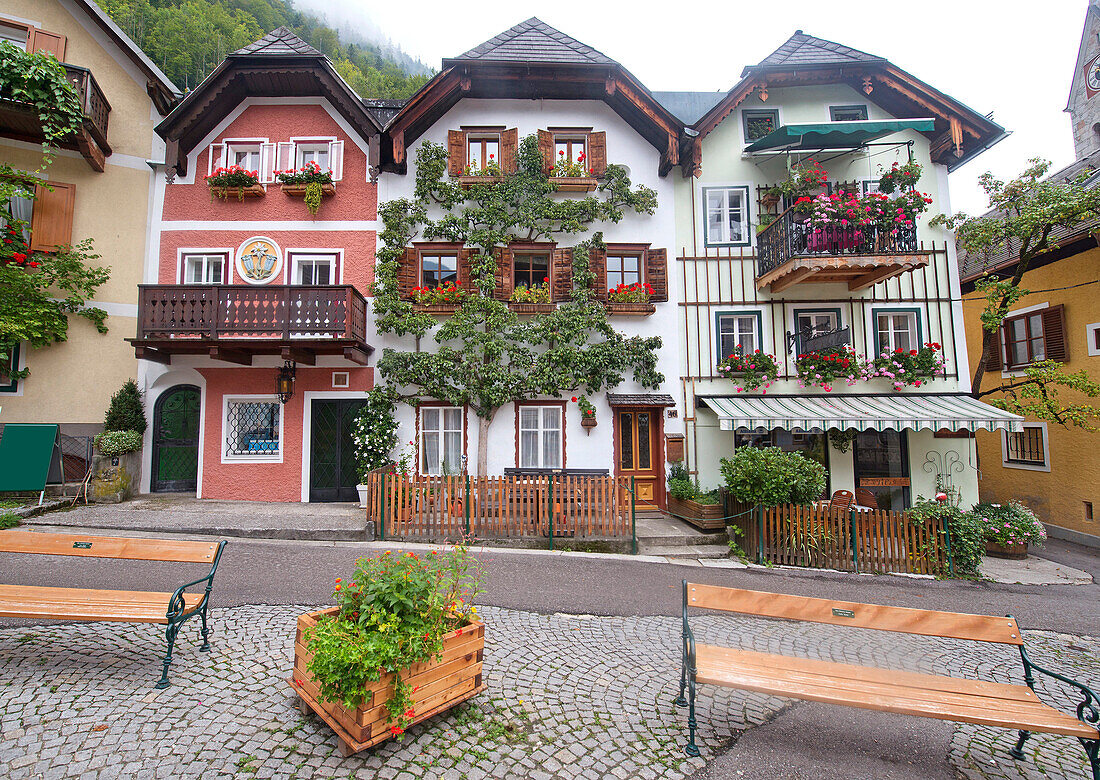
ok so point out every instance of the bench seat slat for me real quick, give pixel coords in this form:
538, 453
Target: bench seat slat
852, 688
172, 550
127, 606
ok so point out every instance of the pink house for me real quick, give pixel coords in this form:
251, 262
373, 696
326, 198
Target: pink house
249, 294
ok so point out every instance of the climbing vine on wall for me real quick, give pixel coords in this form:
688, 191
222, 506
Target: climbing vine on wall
40, 80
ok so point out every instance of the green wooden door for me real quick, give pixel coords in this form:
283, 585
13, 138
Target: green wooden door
332, 474
176, 423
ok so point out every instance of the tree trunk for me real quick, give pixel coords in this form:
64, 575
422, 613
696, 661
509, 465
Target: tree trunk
989, 343
483, 424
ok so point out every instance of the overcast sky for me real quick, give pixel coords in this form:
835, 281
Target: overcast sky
1008, 57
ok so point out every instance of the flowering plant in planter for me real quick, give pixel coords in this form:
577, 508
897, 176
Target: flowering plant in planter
440, 294
567, 169
752, 370
15, 250
802, 181
639, 292
393, 613
490, 168
825, 367
1009, 524
586, 407
914, 367
900, 177
538, 293
232, 178
309, 173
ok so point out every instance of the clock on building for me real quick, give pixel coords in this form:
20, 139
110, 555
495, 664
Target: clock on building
1092, 77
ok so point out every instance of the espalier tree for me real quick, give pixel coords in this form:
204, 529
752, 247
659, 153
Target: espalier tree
1024, 213
484, 355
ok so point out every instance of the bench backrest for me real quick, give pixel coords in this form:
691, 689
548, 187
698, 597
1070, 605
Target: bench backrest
108, 547
954, 625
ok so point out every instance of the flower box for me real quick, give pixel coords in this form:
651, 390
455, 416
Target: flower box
530, 308
299, 190
588, 422
631, 309
439, 684
1014, 552
442, 309
574, 184
471, 181
705, 517
225, 193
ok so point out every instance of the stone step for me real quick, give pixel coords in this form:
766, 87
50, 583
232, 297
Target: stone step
685, 540
691, 551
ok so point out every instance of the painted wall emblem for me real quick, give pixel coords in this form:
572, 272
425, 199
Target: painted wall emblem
259, 260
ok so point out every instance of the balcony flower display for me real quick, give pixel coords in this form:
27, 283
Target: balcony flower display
449, 293
567, 169
803, 181
638, 292
316, 183
225, 180
490, 168
826, 367
538, 293
749, 370
900, 177
902, 368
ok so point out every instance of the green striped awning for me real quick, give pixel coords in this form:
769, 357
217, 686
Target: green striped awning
862, 412
836, 135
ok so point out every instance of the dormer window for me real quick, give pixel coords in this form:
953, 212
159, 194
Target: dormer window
482, 151
312, 152
246, 155
848, 113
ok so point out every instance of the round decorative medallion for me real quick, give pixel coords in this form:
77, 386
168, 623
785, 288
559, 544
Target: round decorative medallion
259, 260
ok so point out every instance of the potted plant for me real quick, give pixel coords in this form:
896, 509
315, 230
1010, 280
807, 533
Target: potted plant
751, 370
900, 177
825, 367
1009, 529
531, 299
588, 413
701, 508
803, 180
116, 467
404, 642
915, 367
473, 173
630, 299
236, 180
374, 433
308, 182
439, 299
569, 176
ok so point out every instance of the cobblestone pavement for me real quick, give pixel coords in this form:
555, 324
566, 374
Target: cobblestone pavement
568, 697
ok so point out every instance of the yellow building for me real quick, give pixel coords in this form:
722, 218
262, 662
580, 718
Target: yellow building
1052, 468
102, 187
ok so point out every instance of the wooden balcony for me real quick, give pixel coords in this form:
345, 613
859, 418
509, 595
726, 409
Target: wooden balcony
20, 120
793, 251
235, 322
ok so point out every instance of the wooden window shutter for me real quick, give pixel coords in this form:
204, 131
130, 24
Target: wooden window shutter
466, 269
597, 264
994, 362
656, 273
1054, 333
52, 219
503, 289
546, 149
561, 275
597, 153
47, 42
509, 151
456, 152
408, 275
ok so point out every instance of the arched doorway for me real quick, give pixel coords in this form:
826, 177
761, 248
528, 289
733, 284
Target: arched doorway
176, 423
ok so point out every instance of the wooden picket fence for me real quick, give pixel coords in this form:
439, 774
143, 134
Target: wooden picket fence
875, 541
513, 507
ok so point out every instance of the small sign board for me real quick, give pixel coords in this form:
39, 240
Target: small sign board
884, 482
82, 545
843, 612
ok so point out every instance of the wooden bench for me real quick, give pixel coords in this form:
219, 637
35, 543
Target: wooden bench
171, 609
930, 696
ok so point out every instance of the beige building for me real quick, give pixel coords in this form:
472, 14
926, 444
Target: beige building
103, 188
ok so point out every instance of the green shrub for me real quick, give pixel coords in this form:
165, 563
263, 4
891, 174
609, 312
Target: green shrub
967, 534
769, 476
375, 431
127, 410
683, 488
8, 520
1011, 523
111, 443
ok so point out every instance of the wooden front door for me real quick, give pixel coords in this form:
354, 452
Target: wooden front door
638, 454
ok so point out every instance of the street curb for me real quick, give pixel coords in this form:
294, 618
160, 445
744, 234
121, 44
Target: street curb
277, 534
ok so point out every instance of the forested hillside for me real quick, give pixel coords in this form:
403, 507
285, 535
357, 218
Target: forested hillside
188, 38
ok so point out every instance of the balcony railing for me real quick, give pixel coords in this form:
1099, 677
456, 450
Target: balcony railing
833, 252
97, 111
184, 312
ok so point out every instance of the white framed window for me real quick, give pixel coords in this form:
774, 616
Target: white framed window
896, 330
1092, 336
16, 36
540, 437
21, 207
10, 363
253, 154
440, 440
204, 268
737, 329
246, 155
1027, 449
313, 268
341, 379
312, 152
727, 216
252, 429
328, 153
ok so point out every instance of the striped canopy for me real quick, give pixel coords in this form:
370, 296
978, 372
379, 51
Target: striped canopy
862, 412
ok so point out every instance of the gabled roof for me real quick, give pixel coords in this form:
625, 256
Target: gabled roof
535, 41
280, 42
1003, 258
278, 65
159, 87
806, 50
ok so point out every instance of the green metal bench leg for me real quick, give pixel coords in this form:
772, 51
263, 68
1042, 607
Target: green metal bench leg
170, 635
681, 700
1018, 751
205, 633
692, 749
1092, 750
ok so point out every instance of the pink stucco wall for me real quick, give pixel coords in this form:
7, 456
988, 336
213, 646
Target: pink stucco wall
263, 481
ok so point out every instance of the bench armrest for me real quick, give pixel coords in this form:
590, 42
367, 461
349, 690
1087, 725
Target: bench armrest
1088, 710
176, 605
689, 638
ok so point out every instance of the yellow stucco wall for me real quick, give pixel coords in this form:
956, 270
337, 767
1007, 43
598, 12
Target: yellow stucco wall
73, 381
1058, 496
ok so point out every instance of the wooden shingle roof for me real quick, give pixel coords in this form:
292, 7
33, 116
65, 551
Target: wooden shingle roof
535, 41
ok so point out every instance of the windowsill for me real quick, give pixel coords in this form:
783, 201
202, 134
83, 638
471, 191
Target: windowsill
437, 308
276, 458
227, 193
1008, 464
472, 181
631, 309
574, 183
531, 308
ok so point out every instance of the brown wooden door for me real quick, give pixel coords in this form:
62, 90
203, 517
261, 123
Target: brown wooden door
638, 454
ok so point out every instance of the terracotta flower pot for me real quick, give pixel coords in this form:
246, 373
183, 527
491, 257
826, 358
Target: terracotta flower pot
1014, 552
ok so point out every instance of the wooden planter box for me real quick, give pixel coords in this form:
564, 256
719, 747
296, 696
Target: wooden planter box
442, 309
571, 184
530, 308
631, 309
588, 422
1014, 552
705, 517
227, 193
441, 684
469, 181
299, 190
